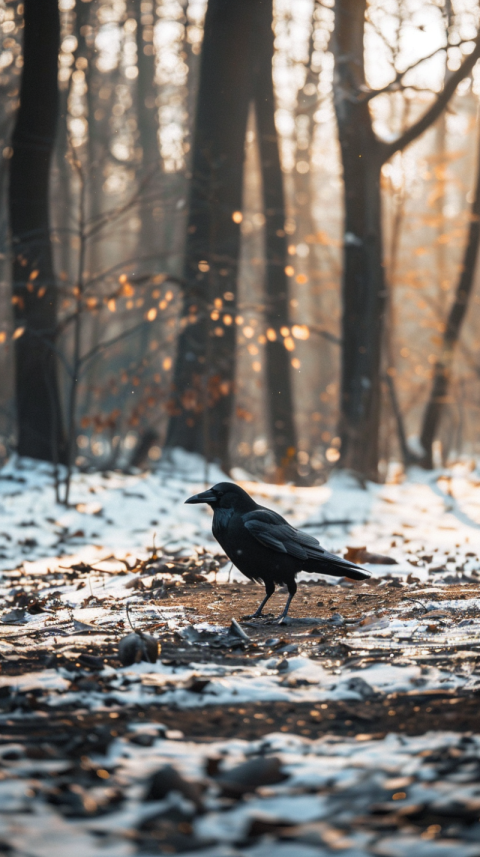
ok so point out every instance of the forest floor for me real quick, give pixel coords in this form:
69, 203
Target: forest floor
351, 728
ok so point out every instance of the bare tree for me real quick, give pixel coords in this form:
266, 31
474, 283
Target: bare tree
279, 404
40, 433
442, 371
147, 116
89, 292
204, 373
236, 68
364, 286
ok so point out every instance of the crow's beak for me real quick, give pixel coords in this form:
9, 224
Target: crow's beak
207, 497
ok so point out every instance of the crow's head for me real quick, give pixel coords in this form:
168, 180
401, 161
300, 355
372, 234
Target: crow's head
225, 495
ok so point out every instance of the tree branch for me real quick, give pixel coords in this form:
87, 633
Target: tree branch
320, 331
104, 218
126, 263
396, 82
433, 112
103, 345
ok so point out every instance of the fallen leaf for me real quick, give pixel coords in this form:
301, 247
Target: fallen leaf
360, 555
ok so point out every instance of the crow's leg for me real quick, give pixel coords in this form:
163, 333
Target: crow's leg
292, 588
269, 589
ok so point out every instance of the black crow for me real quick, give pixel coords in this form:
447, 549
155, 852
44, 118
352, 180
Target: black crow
264, 547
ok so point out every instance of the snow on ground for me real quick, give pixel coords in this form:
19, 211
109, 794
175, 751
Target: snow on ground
428, 523
113, 510
299, 680
391, 796
436, 513
296, 678
356, 797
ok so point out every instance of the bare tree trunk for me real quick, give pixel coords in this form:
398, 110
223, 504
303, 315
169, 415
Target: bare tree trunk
443, 367
98, 129
398, 203
205, 368
64, 202
363, 285
236, 67
147, 124
307, 102
40, 433
280, 410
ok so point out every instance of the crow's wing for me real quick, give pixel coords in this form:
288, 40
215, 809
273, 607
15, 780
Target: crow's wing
273, 531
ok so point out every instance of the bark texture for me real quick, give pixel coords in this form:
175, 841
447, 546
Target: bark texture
40, 433
363, 283
279, 405
148, 130
235, 69
205, 368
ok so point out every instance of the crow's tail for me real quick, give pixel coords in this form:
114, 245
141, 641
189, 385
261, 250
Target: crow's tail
330, 563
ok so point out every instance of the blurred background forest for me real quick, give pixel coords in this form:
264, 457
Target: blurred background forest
244, 228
